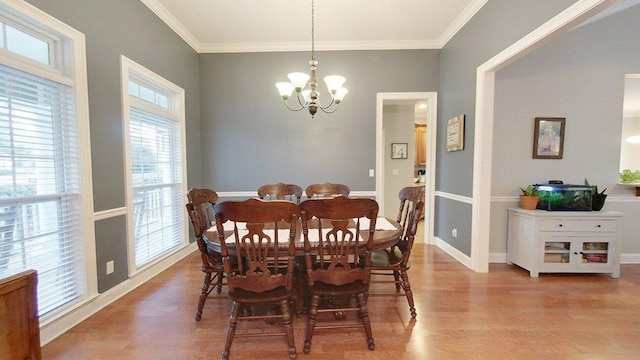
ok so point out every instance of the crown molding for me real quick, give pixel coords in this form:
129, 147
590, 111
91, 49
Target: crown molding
173, 23
466, 15
199, 47
319, 46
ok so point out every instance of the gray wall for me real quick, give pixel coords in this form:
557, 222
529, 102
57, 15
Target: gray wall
497, 25
113, 28
249, 138
580, 76
399, 127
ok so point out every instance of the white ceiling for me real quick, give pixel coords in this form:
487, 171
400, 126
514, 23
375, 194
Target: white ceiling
213, 26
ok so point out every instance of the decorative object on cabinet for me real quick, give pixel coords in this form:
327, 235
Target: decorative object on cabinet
597, 198
19, 308
420, 136
564, 197
399, 150
455, 133
529, 198
567, 242
548, 138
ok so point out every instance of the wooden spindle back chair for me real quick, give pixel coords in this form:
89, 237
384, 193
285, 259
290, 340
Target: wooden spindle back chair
327, 190
260, 235
344, 229
200, 210
280, 191
394, 261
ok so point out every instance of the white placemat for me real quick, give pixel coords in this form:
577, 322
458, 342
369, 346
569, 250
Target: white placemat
381, 224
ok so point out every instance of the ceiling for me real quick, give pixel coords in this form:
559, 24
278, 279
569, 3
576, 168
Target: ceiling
218, 26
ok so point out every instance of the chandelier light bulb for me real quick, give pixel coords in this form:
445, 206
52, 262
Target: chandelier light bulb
334, 82
285, 89
340, 93
298, 80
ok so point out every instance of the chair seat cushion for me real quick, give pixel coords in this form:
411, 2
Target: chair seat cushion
386, 257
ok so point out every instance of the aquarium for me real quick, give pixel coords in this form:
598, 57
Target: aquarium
563, 197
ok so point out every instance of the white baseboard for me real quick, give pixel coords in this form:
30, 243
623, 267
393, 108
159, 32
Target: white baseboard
630, 258
52, 329
453, 252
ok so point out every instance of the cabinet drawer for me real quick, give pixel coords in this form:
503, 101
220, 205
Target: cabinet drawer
590, 225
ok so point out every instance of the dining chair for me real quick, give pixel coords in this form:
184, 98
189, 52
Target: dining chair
258, 234
341, 235
394, 261
200, 211
327, 190
280, 191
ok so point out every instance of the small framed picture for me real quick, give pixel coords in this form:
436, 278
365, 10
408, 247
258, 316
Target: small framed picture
548, 138
455, 133
399, 150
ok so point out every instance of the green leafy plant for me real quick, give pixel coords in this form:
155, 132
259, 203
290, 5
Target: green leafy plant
628, 176
594, 188
529, 191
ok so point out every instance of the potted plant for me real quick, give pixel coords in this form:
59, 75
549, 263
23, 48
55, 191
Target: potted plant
597, 198
529, 198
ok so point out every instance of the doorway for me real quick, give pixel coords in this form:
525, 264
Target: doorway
394, 172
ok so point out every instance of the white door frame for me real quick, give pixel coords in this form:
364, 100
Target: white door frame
432, 100
483, 136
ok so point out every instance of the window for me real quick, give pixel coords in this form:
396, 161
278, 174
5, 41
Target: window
154, 121
42, 221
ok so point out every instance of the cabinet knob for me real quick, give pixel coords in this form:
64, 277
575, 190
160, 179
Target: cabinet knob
598, 225
559, 225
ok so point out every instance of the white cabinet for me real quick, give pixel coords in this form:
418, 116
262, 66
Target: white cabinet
564, 241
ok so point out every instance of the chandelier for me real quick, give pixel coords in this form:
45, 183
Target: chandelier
308, 95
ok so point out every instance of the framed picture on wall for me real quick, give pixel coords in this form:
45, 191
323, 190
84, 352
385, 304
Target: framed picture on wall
548, 138
455, 133
399, 150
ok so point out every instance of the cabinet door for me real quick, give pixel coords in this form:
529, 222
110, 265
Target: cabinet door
556, 254
421, 144
594, 253
577, 254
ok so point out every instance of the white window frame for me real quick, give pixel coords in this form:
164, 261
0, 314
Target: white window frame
68, 57
175, 111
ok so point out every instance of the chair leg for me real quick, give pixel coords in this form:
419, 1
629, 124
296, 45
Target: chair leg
396, 276
311, 323
203, 295
366, 322
231, 330
406, 286
220, 277
288, 328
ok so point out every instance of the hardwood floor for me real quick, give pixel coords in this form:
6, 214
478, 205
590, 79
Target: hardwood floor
503, 314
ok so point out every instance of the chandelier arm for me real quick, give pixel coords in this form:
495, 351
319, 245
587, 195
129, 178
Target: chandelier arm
304, 104
286, 103
324, 110
332, 103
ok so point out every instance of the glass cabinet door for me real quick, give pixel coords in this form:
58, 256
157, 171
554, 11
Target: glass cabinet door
557, 252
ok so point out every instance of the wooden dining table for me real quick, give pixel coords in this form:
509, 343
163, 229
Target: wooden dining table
387, 233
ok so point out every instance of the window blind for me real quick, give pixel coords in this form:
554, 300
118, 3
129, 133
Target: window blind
156, 167
39, 186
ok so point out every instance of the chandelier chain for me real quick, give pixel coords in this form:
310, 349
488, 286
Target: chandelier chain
313, 29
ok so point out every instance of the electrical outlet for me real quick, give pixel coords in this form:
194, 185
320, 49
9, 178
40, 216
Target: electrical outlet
110, 267
394, 172
454, 232
371, 173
